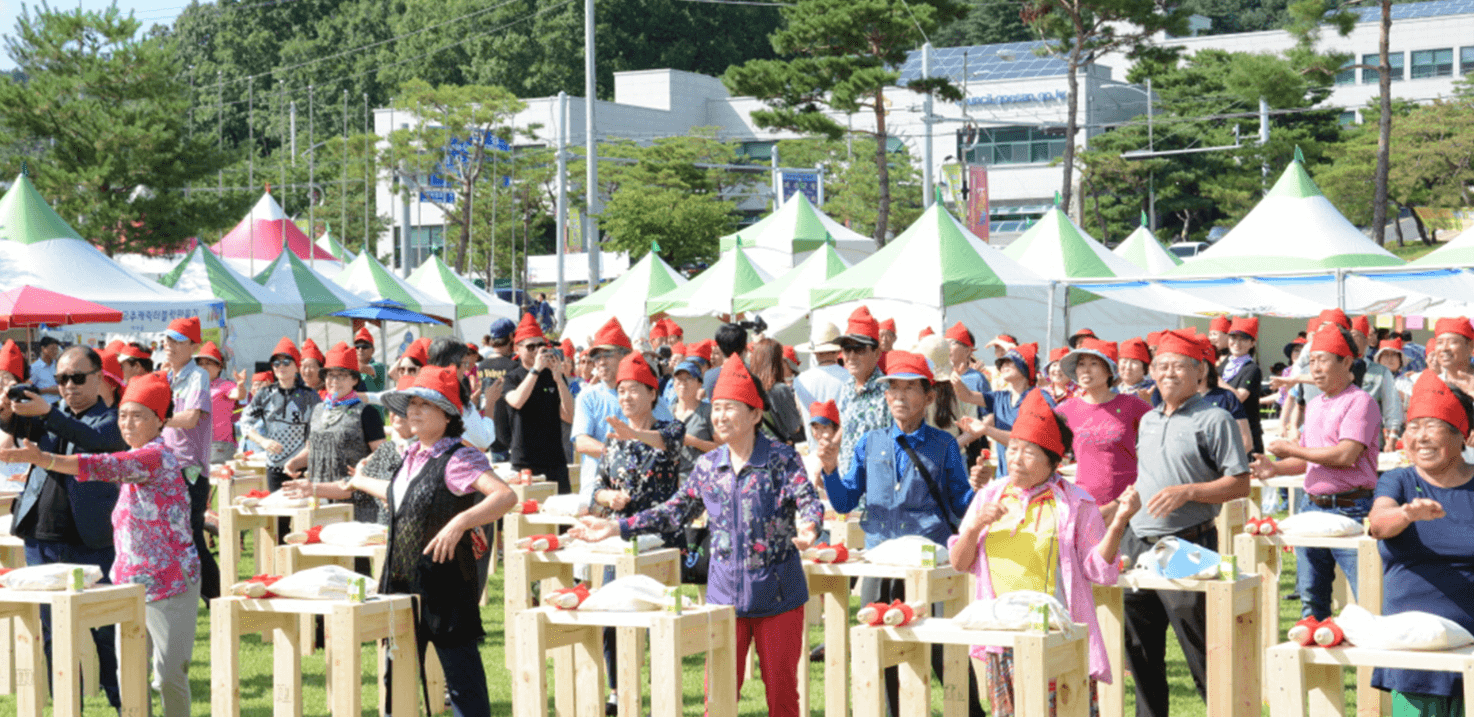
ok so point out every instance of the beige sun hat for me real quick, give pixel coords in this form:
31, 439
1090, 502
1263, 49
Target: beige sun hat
822, 339
938, 353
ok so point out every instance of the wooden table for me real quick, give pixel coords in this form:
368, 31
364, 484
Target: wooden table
1261, 555
576, 640
228, 489
1230, 522
236, 520
832, 581
1039, 659
554, 569
349, 625
73, 614
1233, 641
1300, 674
520, 525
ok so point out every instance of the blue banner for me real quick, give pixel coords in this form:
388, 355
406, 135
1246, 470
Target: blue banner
806, 182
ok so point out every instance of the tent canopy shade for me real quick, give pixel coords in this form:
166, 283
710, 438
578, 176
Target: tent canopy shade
713, 291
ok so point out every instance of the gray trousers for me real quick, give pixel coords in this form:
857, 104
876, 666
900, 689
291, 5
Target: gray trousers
171, 631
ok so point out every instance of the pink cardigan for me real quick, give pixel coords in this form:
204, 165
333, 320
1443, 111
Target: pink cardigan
1080, 531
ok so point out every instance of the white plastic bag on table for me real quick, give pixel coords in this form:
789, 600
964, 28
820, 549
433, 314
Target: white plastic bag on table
327, 582
55, 576
614, 545
1412, 630
354, 535
567, 504
904, 551
632, 593
279, 499
1012, 611
1316, 524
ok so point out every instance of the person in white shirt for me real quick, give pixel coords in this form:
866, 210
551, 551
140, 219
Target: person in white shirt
43, 369
827, 379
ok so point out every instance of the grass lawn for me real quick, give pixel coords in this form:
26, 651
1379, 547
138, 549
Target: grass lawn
256, 685
1414, 248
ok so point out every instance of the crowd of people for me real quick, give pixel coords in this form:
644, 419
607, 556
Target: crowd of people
931, 440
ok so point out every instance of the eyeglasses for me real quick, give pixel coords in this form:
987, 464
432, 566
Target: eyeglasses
364, 347
339, 376
283, 362
534, 346
63, 379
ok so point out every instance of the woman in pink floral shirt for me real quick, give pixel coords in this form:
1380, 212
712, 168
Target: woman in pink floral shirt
150, 528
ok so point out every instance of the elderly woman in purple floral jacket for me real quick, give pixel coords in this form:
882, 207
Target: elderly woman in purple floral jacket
762, 510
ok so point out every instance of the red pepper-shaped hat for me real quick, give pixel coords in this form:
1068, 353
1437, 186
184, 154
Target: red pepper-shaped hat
611, 336
961, 335
1331, 341
311, 351
734, 383
364, 336
1135, 348
342, 356
187, 329
13, 360
527, 329
634, 368
1248, 326
150, 390
1221, 324
285, 347
824, 411
436, 384
1432, 398
1036, 424
1454, 325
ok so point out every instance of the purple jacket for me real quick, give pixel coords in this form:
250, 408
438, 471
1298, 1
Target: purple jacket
752, 516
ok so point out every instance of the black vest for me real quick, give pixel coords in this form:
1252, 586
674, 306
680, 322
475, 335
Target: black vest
448, 591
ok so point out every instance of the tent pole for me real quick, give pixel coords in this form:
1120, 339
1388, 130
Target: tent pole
1066, 310
1049, 319
1341, 289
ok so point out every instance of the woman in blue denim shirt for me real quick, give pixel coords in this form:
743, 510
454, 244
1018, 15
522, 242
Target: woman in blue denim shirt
762, 511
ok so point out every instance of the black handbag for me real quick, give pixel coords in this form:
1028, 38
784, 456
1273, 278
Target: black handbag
695, 555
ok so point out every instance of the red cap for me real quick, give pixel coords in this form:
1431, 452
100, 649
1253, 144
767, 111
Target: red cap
906, 365
1105, 348
674, 329
442, 380
364, 336
961, 335
634, 368
567, 348
311, 351
262, 377
1454, 325
1028, 356
611, 335
1058, 353
888, 325
1249, 326
13, 360
1332, 342
1390, 345
115, 345
790, 355
677, 349
138, 352
861, 326
152, 391
925, 332
1362, 324
736, 384
1334, 316
1135, 348
341, 355
185, 329
827, 410
1083, 332
1154, 338
1432, 398
527, 329
419, 350
701, 349
210, 351
285, 347
1176, 342
111, 369
1221, 324
1036, 424
658, 330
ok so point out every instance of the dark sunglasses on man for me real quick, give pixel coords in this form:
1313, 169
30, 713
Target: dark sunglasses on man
63, 379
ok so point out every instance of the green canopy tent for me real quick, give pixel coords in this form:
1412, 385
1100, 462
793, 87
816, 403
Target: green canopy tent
787, 237
1143, 250
475, 308
624, 298
714, 291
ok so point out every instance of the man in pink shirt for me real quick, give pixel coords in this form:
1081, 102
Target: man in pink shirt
1338, 455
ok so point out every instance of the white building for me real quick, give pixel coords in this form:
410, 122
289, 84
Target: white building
1015, 98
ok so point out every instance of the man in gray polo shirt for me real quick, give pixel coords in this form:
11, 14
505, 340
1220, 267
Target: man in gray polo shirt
1191, 460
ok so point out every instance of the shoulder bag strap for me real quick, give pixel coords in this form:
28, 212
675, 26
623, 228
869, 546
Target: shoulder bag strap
931, 484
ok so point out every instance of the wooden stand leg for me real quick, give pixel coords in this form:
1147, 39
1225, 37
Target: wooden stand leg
7, 656
1030, 675
66, 638
627, 663
1111, 616
225, 657
30, 665
89, 665
530, 687
133, 663
836, 647
1286, 683
914, 666
344, 661
405, 680
867, 688
588, 666
665, 668
1370, 702
286, 657
721, 665
434, 680
230, 548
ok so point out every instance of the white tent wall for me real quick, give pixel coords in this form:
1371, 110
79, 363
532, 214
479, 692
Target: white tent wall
251, 338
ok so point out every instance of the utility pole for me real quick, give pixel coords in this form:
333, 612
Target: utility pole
311, 180
927, 181
559, 243
591, 182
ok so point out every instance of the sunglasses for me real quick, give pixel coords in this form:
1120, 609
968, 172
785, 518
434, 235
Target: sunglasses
534, 346
63, 379
283, 362
364, 347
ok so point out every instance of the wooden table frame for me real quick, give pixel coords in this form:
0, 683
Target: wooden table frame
1300, 674
235, 520
1233, 641
1261, 555
73, 614
349, 625
519, 526
1039, 658
832, 581
228, 489
554, 569
1230, 522
576, 638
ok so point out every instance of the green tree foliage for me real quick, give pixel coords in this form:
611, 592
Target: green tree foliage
851, 187
513, 215
104, 115
987, 22
844, 54
1232, 16
664, 197
1432, 162
458, 129
1208, 100
344, 173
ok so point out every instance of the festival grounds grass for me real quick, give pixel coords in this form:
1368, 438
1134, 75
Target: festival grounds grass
256, 682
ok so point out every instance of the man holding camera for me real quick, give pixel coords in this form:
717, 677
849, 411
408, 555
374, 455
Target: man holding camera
538, 403
60, 519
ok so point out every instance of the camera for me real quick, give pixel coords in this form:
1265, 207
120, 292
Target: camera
17, 392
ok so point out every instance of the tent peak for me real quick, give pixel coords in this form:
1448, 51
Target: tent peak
1295, 182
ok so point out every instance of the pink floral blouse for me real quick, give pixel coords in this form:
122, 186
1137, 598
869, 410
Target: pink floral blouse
151, 532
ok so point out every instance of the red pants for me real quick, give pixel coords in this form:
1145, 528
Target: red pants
779, 646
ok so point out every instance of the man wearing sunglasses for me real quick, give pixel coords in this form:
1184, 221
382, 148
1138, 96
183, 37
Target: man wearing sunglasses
189, 432
61, 519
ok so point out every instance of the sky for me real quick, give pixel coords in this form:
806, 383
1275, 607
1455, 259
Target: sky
151, 12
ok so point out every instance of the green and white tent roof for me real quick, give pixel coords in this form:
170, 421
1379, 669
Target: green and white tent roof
329, 243
291, 278
1459, 252
791, 290
1294, 228
27, 218
437, 280
1056, 248
624, 298
789, 235
203, 272
370, 281
713, 291
1143, 250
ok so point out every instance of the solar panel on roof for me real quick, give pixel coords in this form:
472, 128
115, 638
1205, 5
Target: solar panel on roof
1414, 10
983, 63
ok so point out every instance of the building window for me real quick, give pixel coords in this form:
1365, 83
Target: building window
1347, 118
1466, 60
1369, 76
1346, 76
1432, 63
1014, 145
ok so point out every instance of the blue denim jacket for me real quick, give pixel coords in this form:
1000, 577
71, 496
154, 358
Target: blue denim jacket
897, 500
752, 517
